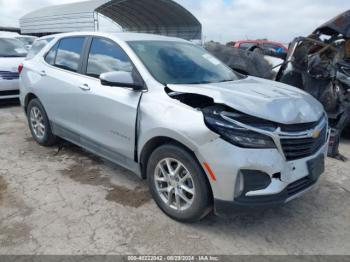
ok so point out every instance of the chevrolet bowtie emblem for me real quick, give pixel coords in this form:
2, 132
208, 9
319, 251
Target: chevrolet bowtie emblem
316, 133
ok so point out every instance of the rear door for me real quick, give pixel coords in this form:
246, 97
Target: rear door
59, 88
107, 114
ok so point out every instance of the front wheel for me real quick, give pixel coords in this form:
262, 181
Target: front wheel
178, 184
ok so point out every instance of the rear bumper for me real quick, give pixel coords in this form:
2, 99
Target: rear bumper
9, 89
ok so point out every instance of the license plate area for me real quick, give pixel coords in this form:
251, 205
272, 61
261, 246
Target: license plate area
316, 167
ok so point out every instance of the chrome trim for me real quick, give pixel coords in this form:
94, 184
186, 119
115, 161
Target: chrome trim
278, 134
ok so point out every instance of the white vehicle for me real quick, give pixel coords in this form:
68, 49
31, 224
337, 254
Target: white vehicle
27, 40
203, 135
12, 54
8, 34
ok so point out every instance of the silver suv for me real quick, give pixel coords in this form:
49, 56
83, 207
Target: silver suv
204, 136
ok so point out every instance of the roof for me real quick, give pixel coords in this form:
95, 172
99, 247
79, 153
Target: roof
164, 17
124, 36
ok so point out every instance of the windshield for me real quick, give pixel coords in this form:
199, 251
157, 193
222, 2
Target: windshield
11, 48
181, 63
26, 40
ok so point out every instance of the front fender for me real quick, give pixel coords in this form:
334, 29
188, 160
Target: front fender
161, 116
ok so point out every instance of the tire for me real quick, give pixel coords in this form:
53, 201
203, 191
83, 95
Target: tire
200, 201
44, 137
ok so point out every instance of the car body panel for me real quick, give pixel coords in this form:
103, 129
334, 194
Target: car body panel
337, 25
114, 112
262, 98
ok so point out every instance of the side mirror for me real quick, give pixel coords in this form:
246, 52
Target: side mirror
120, 79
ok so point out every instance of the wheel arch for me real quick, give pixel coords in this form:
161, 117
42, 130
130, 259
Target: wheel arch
156, 142
29, 97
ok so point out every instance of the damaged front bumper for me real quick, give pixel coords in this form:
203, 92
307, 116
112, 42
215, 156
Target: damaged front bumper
260, 177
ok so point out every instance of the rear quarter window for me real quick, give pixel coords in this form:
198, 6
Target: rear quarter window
51, 55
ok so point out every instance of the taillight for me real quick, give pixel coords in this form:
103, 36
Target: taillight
20, 68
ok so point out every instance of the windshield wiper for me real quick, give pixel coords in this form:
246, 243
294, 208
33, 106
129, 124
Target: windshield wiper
223, 81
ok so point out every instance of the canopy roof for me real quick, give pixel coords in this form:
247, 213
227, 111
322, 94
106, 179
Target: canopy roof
163, 17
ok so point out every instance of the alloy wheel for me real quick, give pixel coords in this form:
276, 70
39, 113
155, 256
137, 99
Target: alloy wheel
37, 122
174, 184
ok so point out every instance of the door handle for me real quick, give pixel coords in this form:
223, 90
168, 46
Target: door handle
85, 87
42, 73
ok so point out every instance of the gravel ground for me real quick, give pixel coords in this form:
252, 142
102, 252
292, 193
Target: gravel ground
69, 202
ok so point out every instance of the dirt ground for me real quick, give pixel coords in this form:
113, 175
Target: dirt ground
69, 202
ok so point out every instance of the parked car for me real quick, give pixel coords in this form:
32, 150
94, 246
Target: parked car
164, 108
26, 40
8, 34
263, 44
12, 53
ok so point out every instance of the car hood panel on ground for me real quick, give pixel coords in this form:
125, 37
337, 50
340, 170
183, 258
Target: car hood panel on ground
266, 99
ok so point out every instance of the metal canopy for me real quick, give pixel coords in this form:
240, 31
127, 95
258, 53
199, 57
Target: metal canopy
164, 17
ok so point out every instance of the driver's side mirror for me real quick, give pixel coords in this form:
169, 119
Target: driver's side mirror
120, 79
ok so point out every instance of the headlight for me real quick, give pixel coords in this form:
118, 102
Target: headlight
237, 135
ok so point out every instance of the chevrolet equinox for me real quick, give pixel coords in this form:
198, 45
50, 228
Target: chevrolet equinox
204, 136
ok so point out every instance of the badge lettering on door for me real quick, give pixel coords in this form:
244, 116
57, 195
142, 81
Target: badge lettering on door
116, 133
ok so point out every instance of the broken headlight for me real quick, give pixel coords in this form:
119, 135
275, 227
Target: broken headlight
236, 135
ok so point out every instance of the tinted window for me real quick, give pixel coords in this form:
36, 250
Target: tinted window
27, 40
69, 52
181, 63
273, 47
37, 47
246, 46
51, 55
106, 56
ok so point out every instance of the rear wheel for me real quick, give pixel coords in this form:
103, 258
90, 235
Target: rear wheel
178, 184
39, 124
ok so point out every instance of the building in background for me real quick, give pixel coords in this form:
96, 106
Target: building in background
163, 17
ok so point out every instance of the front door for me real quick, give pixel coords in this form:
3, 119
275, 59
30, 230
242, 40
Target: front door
107, 115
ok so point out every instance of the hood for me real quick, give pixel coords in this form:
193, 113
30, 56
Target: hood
261, 98
338, 25
10, 63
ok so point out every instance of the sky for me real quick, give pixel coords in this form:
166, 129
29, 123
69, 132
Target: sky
227, 20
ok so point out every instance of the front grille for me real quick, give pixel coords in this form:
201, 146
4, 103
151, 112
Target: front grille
299, 127
299, 186
7, 75
298, 148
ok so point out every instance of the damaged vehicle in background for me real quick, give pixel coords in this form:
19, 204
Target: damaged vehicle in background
203, 135
320, 65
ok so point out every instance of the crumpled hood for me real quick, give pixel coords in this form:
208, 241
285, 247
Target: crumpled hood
261, 98
10, 63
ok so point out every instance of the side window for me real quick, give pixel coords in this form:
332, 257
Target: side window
271, 47
246, 46
106, 56
69, 53
51, 55
37, 47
